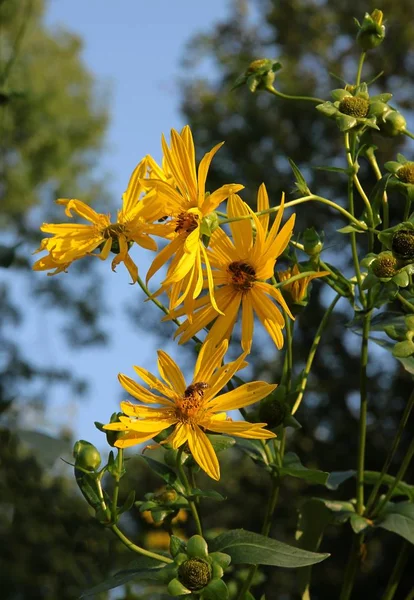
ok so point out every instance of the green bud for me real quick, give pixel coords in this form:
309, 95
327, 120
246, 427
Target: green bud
385, 265
259, 74
403, 349
168, 496
409, 322
274, 409
86, 456
197, 546
403, 244
392, 124
194, 573
406, 173
372, 32
354, 106
312, 242
111, 436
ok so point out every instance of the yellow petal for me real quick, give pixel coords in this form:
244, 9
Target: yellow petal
202, 172
222, 377
154, 383
134, 189
246, 394
240, 429
144, 412
140, 393
247, 323
163, 256
171, 373
208, 360
203, 452
263, 204
178, 437
241, 230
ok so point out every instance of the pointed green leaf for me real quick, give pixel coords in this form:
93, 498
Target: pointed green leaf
221, 442
359, 523
161, 469
213, 495
399, 518
345, 122
300, 180
293, 467
336, 478
246, 547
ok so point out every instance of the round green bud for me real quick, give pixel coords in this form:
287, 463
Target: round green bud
194, 573
393, 124
403, 244
384, 266
86, 456
167, 496
354, 106
312, 242
406, 173
372, 32
273, 411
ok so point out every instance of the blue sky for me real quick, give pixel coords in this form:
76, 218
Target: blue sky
133, 49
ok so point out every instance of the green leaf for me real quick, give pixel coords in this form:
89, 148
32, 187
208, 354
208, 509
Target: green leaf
333, 170
215, 590
143, 569
327, 109
403, 349
162, 470
177, 545
246, 547
359, 523
350, 229
401, 489
345, 122
221, 442
293, 467
336, 478
213, 495
399, 518
300, 180
253, 449
128, 504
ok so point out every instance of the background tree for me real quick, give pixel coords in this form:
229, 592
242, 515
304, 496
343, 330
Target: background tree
310, 39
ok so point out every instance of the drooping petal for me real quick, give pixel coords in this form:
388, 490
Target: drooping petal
203, 452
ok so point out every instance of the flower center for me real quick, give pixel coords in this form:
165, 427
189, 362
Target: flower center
187, 222
354, 106
188, 406
406, 173
194, 573
114, 230
242, 275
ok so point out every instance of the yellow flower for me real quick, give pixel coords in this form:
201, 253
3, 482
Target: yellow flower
159, 540
191, 409
182, 192
241, 268
72, 241
299, 288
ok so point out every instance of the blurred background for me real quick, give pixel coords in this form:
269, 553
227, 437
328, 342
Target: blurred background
86, 89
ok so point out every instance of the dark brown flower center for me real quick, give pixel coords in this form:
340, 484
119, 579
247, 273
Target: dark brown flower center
354, 106
187, 222
114, 231
242, 275
194, 573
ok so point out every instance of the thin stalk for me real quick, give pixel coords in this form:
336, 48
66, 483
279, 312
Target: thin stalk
410, 595
271, 505
289, 349
401, 472
120, 464
408, 133
312, 352
397, 572
351, 567
359, 71
405, 302
187, 487
362, 415
293, 278
396, 442
138, 549
311, 197
385, 206
407, 208
275, 92
161, 306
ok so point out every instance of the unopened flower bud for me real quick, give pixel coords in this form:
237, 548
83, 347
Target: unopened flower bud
403, 244
354, 106
111, 436
167, 496
194, 573
406, 173
312, 242
392, 124
259, 74
371, 32
86, 456
385, 265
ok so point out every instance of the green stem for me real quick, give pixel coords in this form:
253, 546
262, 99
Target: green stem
120, 466
311, 197
407, 208
271, 505
352, 567
401, 472
408, 133
138, 549
312, 352
396, 442
385, 206
275, 92
187, 488
360, 65
397, 572
289, 350
405, 302
410, 595
161, 306
362, 415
